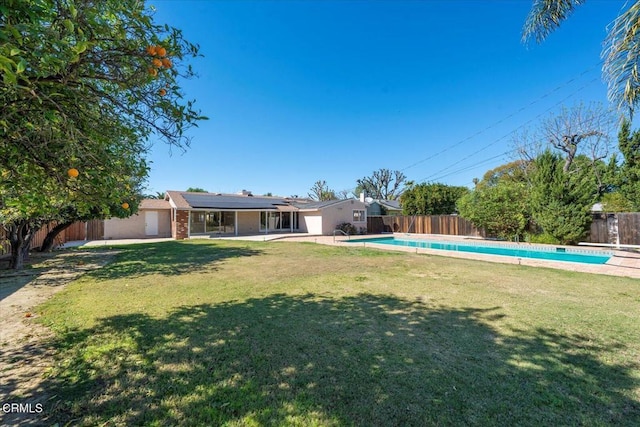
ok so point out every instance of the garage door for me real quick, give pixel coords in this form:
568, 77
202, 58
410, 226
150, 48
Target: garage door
314, 224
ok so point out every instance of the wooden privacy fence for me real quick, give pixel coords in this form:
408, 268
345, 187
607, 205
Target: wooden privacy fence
92, 230
452, 225
619, 228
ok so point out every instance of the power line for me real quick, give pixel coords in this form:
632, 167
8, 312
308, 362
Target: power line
473, 166
477, 164
511, 132
546, 95
481, 162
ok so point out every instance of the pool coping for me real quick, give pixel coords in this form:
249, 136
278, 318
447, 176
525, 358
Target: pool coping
497, 244
622, 263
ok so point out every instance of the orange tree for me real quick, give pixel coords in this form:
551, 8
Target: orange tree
85, 85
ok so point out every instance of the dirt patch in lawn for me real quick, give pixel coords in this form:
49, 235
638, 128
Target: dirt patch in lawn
24, 356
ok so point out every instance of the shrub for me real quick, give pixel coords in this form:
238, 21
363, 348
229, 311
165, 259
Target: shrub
502, 210
544, 238
561, 201
347, 227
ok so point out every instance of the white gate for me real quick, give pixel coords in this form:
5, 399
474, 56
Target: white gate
151, 223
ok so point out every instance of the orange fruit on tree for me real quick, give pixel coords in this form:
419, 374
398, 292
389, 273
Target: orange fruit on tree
125, 205
160, 51
157, 63
73, 173
151, 50
166, 62
153, 72
162, 92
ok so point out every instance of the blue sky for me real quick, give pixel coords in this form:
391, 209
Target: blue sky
298, 91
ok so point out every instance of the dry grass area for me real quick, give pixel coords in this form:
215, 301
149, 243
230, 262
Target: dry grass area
24, 354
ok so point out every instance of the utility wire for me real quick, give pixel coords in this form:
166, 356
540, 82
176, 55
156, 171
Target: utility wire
475, 165
546, 95
511, 132
478, 164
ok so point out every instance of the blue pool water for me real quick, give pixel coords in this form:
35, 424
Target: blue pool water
522, 251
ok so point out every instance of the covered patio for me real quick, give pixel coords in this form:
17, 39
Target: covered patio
213, 222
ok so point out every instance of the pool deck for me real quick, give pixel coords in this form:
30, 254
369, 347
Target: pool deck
622, 263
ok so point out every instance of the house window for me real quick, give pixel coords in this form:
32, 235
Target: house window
359, 216
278, 221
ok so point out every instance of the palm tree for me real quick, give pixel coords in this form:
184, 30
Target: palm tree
157, 195
621, 51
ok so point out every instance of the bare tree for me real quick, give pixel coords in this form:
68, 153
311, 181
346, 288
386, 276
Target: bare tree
320, 191
526, 146
343, 194
589, 128
382, 184
581, 129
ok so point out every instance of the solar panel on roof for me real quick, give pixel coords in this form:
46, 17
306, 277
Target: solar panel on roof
213, 201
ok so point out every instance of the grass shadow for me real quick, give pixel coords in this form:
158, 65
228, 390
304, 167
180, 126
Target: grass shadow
170, 258
312, 360
12, 283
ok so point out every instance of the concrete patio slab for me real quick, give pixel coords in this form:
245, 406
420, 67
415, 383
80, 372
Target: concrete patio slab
110, 242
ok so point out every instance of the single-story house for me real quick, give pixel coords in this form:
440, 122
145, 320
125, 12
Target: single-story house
152, 220
197, 214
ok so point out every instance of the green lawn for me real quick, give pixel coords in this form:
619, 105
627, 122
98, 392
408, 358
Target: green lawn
249, 334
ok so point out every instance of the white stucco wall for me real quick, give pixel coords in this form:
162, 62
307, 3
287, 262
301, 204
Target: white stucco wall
338, 213
134, 226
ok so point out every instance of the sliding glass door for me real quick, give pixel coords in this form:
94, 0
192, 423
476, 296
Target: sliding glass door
212, 222
228, 222
278, 221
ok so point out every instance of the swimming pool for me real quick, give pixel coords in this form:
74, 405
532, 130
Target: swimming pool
550, 253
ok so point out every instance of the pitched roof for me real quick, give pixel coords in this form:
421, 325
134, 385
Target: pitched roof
313, 204
193, 200
177, 199
231, 201
390, 204
154, 204
187, 200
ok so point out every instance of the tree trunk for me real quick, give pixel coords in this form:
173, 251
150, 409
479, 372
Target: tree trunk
570, 156
49, 240
20, 235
